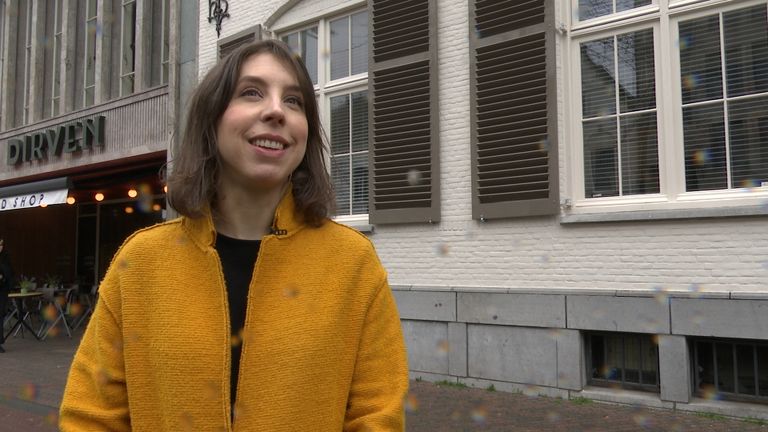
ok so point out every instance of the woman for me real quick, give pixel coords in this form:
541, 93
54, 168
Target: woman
252, 312
6, 284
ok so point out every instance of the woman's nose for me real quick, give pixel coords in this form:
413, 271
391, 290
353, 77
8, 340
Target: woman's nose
273, 110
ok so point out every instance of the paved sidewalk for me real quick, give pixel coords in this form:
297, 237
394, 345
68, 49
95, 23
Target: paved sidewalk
33, 374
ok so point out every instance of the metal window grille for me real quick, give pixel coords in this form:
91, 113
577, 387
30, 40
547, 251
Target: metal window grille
730, 369
626, 360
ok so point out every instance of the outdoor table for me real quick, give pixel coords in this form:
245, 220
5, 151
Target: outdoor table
19, 298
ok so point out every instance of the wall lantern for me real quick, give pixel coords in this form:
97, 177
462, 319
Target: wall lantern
218, 10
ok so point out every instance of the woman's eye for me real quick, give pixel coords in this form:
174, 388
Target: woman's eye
294, 100
251, 92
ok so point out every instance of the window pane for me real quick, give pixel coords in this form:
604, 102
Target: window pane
724, 353
632, 359
637, 81
594, 8
700, 67
745, 361
359, 43
340, 124
340, 48
746, 50
360, 183
600, 159
704, 142
762, 370
705, 370
128, 44
613, 358
292, 40
309, 52
340, 176
597, 348
748, 134
624, 5
360, 121
639, 154
598, 97
650, 373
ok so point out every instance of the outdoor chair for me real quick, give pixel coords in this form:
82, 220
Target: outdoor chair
54, 307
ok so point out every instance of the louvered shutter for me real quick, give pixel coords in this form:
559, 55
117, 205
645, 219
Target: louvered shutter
231, 43
513, 108
403, 134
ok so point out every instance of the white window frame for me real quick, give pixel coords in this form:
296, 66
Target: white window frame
325, 88
663, 17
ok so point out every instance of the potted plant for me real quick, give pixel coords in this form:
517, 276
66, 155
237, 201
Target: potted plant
27, 284
52, 281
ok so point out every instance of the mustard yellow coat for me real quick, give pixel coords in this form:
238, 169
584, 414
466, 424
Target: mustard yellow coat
322, 344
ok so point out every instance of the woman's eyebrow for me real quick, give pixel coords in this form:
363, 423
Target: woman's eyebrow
253, 79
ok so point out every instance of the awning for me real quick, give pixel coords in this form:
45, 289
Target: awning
35, 194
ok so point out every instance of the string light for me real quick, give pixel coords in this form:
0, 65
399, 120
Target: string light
132, 193
99, 196
70, 200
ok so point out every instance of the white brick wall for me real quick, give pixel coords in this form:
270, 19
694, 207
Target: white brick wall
727, 254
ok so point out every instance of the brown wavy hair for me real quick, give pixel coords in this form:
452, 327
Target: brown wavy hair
194, 176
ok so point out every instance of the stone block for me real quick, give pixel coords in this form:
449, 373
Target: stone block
746, 319
515, 354
674, 369
426, 305
619, 314
528, 310
427, 345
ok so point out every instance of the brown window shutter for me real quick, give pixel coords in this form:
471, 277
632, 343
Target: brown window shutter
403, 137
230, 43
513, 108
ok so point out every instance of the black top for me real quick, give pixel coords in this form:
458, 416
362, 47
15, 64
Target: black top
238, 258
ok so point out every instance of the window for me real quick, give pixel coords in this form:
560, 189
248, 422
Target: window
89, 83
588, 9
128, 47
624, 359
56, 58
2, 60
733, 369
158, 48
669, 119
26, 59
341, 82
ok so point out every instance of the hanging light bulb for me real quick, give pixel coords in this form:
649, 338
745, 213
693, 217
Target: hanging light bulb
70, 200
99, 196
132, 193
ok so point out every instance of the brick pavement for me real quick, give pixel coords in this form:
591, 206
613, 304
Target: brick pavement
33, 374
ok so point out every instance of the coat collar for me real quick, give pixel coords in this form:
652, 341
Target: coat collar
285, 223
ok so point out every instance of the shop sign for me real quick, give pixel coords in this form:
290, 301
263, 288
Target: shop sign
82, 134
33, 200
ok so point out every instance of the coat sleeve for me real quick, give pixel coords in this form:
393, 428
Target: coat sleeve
95, 396
380, 379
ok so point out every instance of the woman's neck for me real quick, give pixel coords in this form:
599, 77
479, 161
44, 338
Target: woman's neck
246, 215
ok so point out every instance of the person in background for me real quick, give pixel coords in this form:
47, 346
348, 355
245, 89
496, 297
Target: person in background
6, 284
254, 311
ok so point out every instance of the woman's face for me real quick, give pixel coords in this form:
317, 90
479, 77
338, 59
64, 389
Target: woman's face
262, 135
